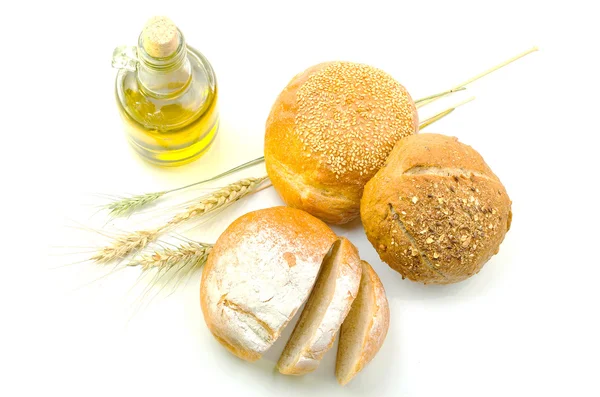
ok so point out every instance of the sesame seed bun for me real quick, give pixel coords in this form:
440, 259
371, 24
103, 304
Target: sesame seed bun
329, 132
436, 213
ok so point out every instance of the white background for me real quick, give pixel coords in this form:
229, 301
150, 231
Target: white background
526, 325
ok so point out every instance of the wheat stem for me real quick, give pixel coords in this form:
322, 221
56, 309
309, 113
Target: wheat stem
128, 205
443, 114
427, 100
132, 243
439, 95
221, 175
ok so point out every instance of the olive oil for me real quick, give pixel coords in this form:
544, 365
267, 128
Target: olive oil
167, 97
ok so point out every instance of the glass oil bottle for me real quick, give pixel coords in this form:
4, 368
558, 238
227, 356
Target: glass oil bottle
167, 95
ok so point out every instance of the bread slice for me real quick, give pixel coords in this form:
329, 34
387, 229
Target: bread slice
258, 274
327, 307
365, 327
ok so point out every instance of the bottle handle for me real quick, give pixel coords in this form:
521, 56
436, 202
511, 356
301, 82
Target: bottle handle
125, 57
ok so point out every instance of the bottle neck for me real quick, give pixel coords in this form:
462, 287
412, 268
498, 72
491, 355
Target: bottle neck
164, 77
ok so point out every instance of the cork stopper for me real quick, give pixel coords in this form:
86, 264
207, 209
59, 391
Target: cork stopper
160, 37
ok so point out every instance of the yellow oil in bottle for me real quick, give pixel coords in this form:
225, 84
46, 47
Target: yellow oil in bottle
167, 96
169, 134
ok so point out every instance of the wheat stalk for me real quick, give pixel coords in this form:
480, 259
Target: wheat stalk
130, 204
128, 244
188, 255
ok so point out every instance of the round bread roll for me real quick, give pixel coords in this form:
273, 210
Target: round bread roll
329, 131
259, 272
436, 213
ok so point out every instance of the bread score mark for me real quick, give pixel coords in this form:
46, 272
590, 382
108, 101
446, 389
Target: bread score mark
413, 242
447, 171
245, 313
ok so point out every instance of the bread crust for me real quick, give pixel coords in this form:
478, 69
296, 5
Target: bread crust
329, 131
259, 272
436, 212
301, 358
373, 333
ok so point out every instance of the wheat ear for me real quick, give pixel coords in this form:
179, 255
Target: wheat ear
185, 256
217, 200
124, 245
134, 242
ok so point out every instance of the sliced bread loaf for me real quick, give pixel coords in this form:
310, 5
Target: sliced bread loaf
258, 274
327, 307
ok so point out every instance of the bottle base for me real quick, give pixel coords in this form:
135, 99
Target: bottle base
177, 157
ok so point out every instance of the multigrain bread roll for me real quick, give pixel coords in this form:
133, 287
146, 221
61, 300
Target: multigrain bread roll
365, 328
325, 310
329, 131
436, 213
259, 272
